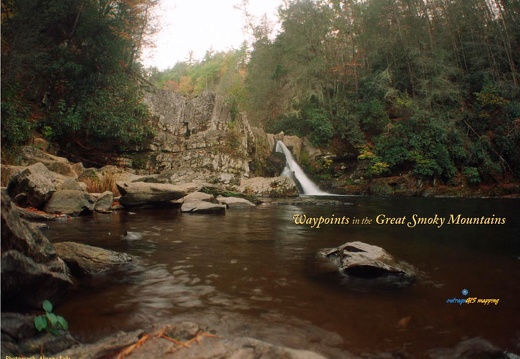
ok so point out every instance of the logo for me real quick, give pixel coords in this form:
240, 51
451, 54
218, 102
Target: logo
472, 300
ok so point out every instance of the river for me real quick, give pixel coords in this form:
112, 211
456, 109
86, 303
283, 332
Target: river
257, 261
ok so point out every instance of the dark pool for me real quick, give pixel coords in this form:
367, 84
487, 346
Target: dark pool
258, 260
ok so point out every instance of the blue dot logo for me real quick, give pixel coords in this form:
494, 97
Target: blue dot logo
465, 292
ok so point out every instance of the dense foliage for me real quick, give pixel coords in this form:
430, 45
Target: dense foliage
70, 71
429, 87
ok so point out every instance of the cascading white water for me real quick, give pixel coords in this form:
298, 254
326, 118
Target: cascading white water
293, 170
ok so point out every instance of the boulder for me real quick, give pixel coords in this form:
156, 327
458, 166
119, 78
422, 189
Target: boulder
235, 202
202, 207
359, 260
270, 187
70, 202
64, 169
70, 184
31, 155
140, 193
84, 260
90, 175
33, 186
104, 202
31, 269
78, 168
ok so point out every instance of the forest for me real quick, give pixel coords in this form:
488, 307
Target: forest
427, 87
71, 72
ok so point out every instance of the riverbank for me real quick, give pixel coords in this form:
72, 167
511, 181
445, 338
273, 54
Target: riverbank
410, 186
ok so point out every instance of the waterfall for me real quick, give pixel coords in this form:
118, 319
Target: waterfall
293, 170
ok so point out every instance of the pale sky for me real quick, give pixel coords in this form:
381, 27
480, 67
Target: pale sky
200, 25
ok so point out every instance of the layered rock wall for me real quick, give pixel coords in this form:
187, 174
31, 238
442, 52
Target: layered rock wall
200, 138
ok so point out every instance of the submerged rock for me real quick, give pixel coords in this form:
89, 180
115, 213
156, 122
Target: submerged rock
84, 260
131, 236
203, 207
471, 349
358, 260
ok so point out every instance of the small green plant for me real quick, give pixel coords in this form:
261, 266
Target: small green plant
49, 321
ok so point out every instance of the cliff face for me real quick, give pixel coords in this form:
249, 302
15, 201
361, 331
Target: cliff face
199, 139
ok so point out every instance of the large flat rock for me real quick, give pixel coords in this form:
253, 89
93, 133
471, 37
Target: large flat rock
136, 194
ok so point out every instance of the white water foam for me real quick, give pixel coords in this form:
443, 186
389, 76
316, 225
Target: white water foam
293, 170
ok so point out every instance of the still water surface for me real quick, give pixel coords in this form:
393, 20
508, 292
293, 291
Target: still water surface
258, 260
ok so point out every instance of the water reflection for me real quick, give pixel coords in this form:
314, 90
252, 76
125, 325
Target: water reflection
257, 260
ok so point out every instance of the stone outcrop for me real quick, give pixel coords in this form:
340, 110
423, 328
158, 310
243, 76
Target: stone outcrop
200, 139
31, 155
84, 260
70, 202
365, 261
137, 194
31, 269
270, 187
33, 186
